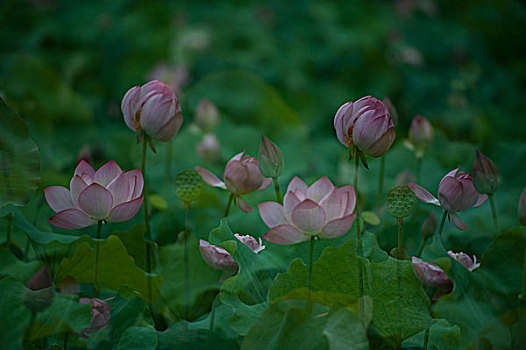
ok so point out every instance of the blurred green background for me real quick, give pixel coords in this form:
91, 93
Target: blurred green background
282, 68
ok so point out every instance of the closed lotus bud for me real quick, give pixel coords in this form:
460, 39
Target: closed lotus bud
486, 177
270, 158
421, 134
465, 260
209, 148
432, 276
100, 315
365, 124
522, 208
429, 225
217, 257
39, 294
154, 109
207, 115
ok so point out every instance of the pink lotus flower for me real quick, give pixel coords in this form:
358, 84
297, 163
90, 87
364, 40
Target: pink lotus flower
486, 177
455, 193
270, 158
432, 276
108, 194
365, 124
465, 260
521, 210
251, 242
100, 315
319, 210
420, 134
242, 176
154, 109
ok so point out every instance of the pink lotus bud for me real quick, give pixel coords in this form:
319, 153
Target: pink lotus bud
270, 158
251, 242
154, 109
216, 257
486, 177
432, 276
455, 193
421, 134
108, 194
209, 149
321, 210
429, 225
522, 208
365, 124
207, 115
100, 315
40, 294
465, 260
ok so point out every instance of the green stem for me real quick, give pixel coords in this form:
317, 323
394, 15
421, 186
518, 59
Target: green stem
227, 210
426, 336
400, 238
276, 188
356, 168
186, 264
422, 245
381, 183
441, 227
168, 161
147, 232
418, 168
309, 276
212, 316
359, 240
97, 254
494, 212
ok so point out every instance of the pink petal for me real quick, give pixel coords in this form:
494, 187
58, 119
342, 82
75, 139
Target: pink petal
272, 214
76, 185
450, 195
452, 173
423, 194
242, 204
309, 217
297, 184
321, 188
119, 189
107, 173
290, 201
156, 112
350, 197
457, 221
285, 235
96, 201
383, 144
170, 128
339, 203
128, 103
237, 156
338, 227
84, 168
136, 182
125, 211
210, 178
71, 219
481, 200
58, 198
266, 183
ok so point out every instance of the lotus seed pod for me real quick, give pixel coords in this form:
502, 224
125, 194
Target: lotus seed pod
400, 201
188, 185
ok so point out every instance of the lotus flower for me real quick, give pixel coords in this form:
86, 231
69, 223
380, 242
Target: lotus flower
242, 176
108, 194
321, 210
366, 124
455, 193
100, 315
270, 158
465, 260
420, 135
432, 276
154, 109
486, 177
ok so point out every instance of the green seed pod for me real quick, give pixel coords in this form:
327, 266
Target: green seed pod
188, 185
400, 201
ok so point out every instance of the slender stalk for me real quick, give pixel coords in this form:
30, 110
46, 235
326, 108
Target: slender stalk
97, 254
309, 276
147, 232
168, 161
359, 241
186, 263
380, 183
356, 168
400, 237
494, 212
227, 210
422, 245
426, 336
441, 227
276, 188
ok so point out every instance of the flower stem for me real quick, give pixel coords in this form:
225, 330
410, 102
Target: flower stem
359, 240
168, 161
227, 210
422, 245
186, 263
309, 276
356, 168
400, 237
380, 183
147, 233
494, 212
441, 227
276, 188
97, 255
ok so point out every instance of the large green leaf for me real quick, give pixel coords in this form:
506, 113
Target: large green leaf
15, 315
12, 267
19, 159
139, 338
442, 336
116, 269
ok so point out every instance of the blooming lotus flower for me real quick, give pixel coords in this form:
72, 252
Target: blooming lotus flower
486, 176
100, 315
366, 124
242, 176
522, 208
108, 194
321, 210
455, 193
270, 158
432, 276
465, 260
420, 134
251, 242
152, 108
